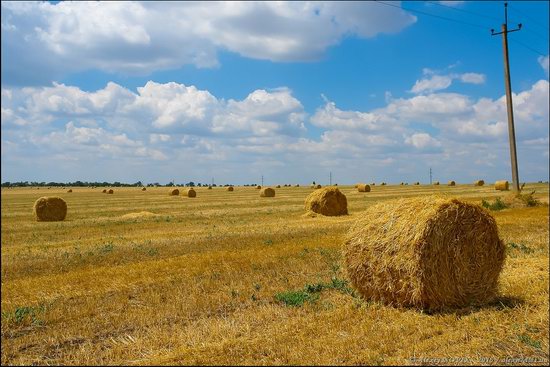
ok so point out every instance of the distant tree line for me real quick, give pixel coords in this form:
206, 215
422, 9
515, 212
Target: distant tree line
104, 183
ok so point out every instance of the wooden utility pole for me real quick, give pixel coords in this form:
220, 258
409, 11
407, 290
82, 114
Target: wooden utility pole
330, 179
262, 180
510, 109
430, 175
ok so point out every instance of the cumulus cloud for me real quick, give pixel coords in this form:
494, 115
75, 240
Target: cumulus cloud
44, 41
433, 81
543, 61
446, 131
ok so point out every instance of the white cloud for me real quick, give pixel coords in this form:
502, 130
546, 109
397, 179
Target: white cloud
472, 78
43, 41
543, 61
435, 82
454, 3
422, 140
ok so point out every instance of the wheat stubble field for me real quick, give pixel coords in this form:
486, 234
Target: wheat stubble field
232, 278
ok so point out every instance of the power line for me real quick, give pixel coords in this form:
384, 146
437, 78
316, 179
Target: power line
527, 47
527, 16
463, 11
431, 15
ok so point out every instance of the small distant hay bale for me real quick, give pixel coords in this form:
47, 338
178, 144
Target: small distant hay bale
267, 192
451, 183
297, 185
278, 186
356, 185
258, 187
479, 183
50, 209
138, 215
502, 185
104, 191
174, 192
327, 201
417, 183
318, 186
230, 188
362, 187
110, 191
383, 184
402, 183
209, 187
70, 190
436, 183
190, 193
432, 253
372, 184
143, 189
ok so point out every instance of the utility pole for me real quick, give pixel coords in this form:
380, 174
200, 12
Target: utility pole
330, 179
262, 180
511, 131
212, 181
430, 175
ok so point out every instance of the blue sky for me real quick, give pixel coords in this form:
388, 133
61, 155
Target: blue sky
124, 91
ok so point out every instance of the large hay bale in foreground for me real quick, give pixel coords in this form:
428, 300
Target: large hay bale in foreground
267, 192
110, 191
174, 192
230, 188
451, 183
430, 252
50, 209
479, 183
327, 201
190, 193
363, 187
501, 185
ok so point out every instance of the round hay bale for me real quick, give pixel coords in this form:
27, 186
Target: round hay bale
402, 183
373, 184
230, 188
430, 252
209, 187
356, 185
297, 185
258, 187
451, 183
190, 193
383, 184
104, 191
143, 189
267, 192
417, 183
501, 185
278, 186
70, 190
318, 186
363, 187
436, 183
174, 192
50, 209
110, 191
479, 183
327, 201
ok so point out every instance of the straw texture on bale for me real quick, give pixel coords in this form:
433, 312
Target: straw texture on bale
50, 209
327, 201
501, 185
363, 187
267, 192
190, 193
174, 192
104, 191
451, 183
479, 183
431, 252
110, 191
230, 188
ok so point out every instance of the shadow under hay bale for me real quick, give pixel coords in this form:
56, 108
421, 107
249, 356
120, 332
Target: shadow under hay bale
327, 201
502, 185
50, 209
267, 192
363, 187
432, 253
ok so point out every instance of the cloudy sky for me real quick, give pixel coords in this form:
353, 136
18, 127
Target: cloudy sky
190, 91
